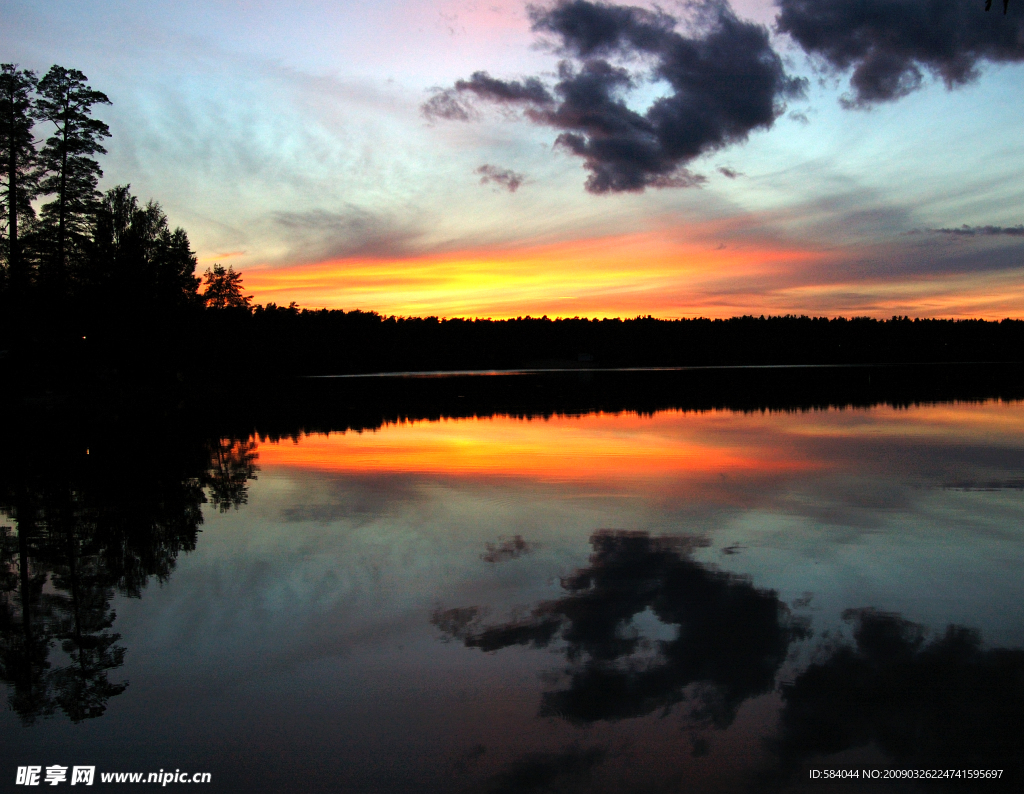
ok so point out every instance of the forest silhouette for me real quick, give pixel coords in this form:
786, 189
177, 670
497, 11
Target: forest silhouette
98, 287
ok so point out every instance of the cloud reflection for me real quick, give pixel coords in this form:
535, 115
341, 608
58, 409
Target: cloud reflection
720, 632
938, 704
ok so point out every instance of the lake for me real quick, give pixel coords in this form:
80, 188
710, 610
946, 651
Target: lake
662, 599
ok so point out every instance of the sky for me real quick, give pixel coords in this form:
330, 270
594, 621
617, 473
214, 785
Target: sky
489, 158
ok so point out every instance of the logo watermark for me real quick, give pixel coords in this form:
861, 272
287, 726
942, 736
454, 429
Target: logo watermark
86, 776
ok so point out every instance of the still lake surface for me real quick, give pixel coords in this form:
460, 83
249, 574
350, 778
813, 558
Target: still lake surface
670, 601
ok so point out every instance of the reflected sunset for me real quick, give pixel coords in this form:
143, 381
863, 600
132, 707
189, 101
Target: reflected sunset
583, 591
589, 449
669, 447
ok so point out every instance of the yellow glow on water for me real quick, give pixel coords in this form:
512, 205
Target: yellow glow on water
596, 447
668, 448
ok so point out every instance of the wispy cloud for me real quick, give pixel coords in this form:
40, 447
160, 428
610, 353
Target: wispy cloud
317, 235
985, 231
503, 177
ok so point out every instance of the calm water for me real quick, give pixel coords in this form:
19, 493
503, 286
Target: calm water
683, 601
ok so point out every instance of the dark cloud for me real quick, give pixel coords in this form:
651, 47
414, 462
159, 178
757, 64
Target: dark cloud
986, 231
722, 632
891, 44
728, 172
446, 105
451, 104
568, 770
483, 85
507, 550
503, 177
725, 81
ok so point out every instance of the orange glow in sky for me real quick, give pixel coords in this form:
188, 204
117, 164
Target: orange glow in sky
619, 276
663, 272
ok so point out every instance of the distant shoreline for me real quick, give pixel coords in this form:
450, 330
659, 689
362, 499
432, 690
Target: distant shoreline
59, 348
477, 373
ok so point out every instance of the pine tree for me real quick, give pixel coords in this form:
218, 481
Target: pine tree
223, 289
72, 173
19, 177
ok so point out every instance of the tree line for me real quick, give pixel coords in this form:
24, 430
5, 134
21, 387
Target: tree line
62, 241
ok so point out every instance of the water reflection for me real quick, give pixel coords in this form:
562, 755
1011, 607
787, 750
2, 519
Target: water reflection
296, 646
570, 770
722, 632
87, 527
505, 550
917, 702
924, 704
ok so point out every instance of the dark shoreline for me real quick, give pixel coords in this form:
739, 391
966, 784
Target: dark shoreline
293, 407
57, 350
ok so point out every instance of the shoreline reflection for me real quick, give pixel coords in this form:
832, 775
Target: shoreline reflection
87, 528
431, 606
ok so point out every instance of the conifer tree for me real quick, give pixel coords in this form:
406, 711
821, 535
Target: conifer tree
223, 289
19, 177
66, 101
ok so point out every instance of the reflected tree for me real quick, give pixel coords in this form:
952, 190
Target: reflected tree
26, 627
86, 529
83, 619
723, 639
232, 464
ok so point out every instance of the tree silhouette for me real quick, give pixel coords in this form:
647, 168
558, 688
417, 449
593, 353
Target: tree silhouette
988, 5
135, 259
223, 289
72, 173
19, 175
83, 619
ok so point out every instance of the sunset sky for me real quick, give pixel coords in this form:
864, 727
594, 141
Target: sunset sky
854, 157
